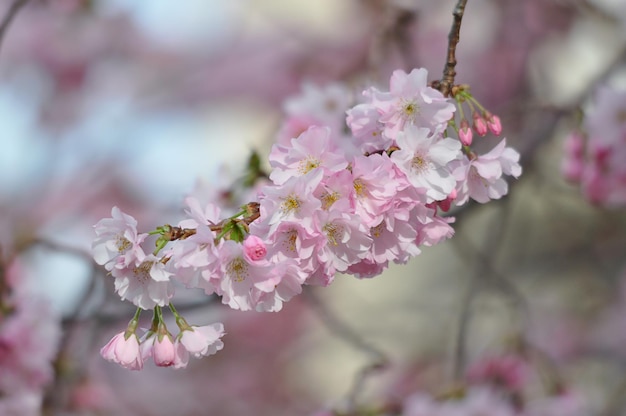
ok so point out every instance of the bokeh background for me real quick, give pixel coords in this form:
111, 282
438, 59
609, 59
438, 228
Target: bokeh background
137, 104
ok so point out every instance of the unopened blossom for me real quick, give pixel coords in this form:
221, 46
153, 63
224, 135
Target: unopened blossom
117, 242
123, 350
465, 133
163, 351
424, 158
494, 124
254, 248
479, 125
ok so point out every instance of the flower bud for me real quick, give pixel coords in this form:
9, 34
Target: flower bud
465, 133
164, 352
493, 122
124, 352
480, 125
254, 248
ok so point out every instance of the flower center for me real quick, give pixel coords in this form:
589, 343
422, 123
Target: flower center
410, 110
290, 240
290, 203
308, 164
334, 232
142, 272
419, 163
359, 187
122, 244
328, 199
237, 269
378, 230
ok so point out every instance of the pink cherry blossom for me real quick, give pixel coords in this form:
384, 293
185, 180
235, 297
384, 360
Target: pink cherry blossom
240, 282
123, 351
145, 282
373, 191
424, 159
481, 178
367, 129
117, 242
346, 240
411, 101
314, 149
202, 340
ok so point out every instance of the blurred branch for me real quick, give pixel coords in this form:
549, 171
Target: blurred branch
449, 72
9, 16
378, 359
393, 30
484, 269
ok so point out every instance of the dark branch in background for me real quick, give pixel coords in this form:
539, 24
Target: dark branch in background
483, 274
378, 359
449, 72
9, 16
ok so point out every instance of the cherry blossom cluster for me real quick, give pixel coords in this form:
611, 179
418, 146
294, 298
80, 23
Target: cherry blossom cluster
335, 203
595, 155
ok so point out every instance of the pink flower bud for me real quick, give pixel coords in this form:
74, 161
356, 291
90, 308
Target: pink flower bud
254, 248
163, 352
480, 125
465, 133
124, 352
493, 122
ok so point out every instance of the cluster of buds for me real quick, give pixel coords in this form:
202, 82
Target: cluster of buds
483, 121
131, 350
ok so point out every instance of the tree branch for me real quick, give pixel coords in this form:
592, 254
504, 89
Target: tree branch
9, 16
449, 72
378, 359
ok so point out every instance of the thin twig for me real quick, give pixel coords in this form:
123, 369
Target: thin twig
378, 359
9, 16
483, 270
449, 71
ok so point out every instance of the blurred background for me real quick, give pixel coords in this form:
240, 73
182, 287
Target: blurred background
138, 104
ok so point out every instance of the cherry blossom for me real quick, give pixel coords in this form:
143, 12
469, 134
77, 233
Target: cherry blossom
424, 158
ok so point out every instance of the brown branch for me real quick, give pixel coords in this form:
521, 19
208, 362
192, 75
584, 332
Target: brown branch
9, 16
449, 72
378, 359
